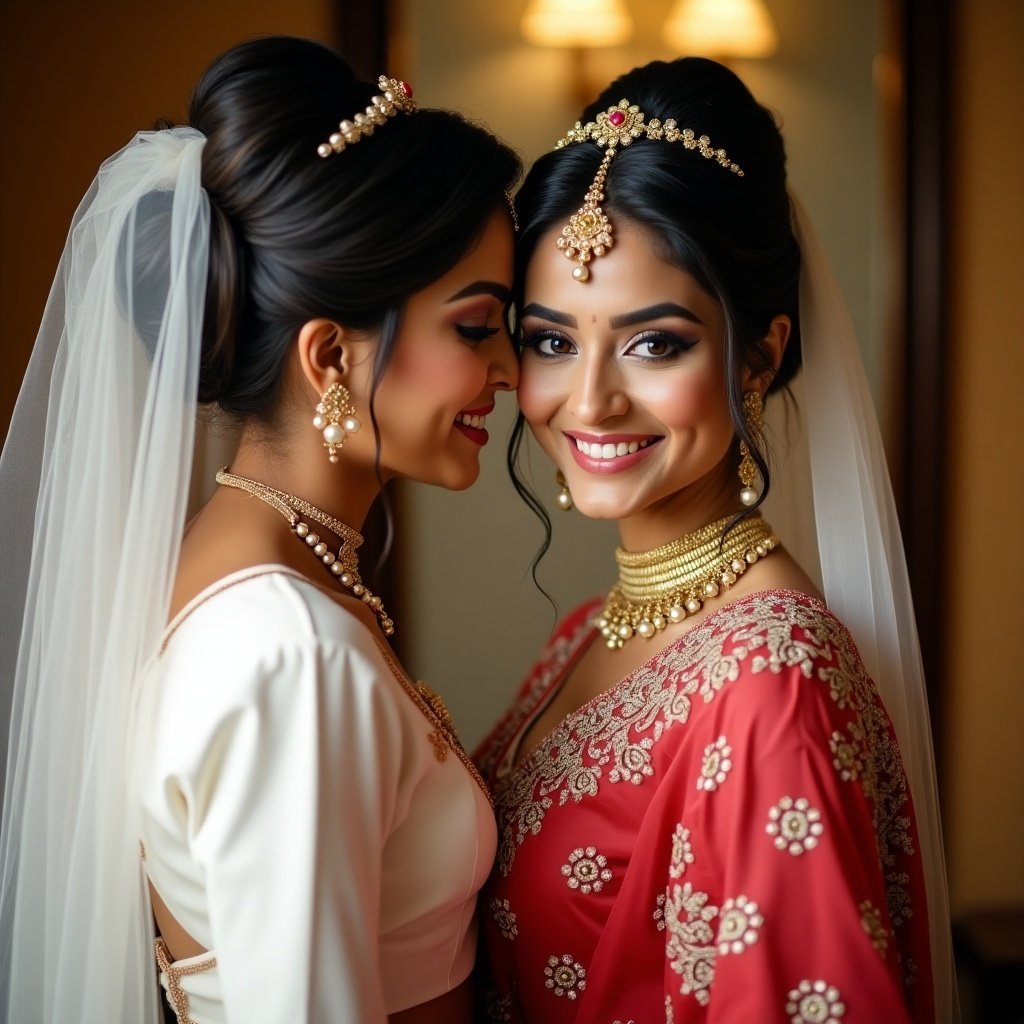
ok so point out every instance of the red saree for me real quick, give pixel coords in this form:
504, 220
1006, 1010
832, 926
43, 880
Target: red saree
724, 836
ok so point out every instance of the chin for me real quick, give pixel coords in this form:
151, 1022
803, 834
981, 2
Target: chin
601, 509
454, 479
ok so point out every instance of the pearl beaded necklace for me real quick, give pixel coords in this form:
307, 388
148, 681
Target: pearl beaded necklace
344, 565
660, 587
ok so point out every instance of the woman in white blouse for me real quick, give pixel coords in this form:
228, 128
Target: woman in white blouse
209, 728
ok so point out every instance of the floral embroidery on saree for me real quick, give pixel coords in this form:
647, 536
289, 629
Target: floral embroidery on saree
611, 739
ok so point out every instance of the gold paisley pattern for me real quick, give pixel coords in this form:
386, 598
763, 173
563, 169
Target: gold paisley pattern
594, 745
690, 941
871, 922
848, 753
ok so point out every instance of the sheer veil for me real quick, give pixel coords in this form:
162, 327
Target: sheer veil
835, 477
94, 479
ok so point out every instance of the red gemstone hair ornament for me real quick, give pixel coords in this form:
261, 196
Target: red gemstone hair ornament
589, 232
394, 96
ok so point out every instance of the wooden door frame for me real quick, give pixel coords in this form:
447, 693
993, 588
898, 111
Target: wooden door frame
922, 480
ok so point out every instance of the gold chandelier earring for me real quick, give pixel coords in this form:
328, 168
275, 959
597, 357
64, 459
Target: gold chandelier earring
752, 411
564, 497
335, 418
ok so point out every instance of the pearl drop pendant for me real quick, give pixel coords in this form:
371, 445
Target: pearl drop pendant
334, 433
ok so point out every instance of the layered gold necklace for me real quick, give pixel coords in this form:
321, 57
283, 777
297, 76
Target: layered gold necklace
663, 586
343, 566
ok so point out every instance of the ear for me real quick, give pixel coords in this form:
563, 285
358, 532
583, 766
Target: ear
774, 346
324, 353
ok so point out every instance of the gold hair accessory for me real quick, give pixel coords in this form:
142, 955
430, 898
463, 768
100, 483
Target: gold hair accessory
589, 232
752, 409
663, 586
344, 565
394, 96
335, 418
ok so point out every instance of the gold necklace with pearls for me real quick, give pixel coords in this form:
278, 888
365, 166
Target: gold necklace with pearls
664, 585
344, 565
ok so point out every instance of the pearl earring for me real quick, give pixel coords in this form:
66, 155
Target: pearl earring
335, 417
752, 407
564, 497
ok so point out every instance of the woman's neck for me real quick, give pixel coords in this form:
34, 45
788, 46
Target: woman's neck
683, 512
344, 490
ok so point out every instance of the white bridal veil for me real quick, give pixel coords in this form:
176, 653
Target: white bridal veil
94, 480
846, 527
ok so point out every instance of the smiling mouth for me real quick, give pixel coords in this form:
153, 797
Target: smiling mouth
471, 424
610, 450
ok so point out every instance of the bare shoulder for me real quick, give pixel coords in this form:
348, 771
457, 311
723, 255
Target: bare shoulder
780, 571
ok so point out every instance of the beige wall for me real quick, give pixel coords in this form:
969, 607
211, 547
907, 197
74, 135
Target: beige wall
985, 713
77, 81
468, 554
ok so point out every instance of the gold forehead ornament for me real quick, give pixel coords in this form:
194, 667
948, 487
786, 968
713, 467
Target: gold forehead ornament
589, 232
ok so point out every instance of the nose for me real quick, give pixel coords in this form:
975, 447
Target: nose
596, 392
503, 373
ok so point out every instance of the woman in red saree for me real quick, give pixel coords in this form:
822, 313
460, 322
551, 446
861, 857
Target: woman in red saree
706, 812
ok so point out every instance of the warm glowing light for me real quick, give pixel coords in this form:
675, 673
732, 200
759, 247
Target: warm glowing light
721, 28
577, 23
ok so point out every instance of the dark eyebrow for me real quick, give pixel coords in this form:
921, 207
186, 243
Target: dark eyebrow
536, 309
654, 313
499, 291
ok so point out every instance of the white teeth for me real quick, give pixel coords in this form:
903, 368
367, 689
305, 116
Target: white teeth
608, 450
471, 421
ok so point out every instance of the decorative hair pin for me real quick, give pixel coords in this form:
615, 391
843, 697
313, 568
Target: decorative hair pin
589, 232
394, 96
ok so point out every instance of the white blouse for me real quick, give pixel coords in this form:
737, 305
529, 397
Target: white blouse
303, 818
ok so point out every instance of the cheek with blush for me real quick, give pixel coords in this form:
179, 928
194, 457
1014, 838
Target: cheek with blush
691, 401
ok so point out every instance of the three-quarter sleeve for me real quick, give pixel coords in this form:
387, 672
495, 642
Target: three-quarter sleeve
289, 803
783, 876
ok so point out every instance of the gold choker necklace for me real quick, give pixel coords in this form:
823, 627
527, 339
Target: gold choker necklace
344, 565
663, 586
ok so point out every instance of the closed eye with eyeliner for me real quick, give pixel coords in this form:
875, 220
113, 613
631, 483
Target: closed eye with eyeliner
473, 332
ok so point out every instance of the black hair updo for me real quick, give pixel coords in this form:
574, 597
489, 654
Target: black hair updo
295, 236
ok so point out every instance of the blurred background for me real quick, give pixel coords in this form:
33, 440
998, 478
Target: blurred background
903, 121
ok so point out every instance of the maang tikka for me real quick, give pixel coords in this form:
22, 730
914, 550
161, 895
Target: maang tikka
335, 417
589, 232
